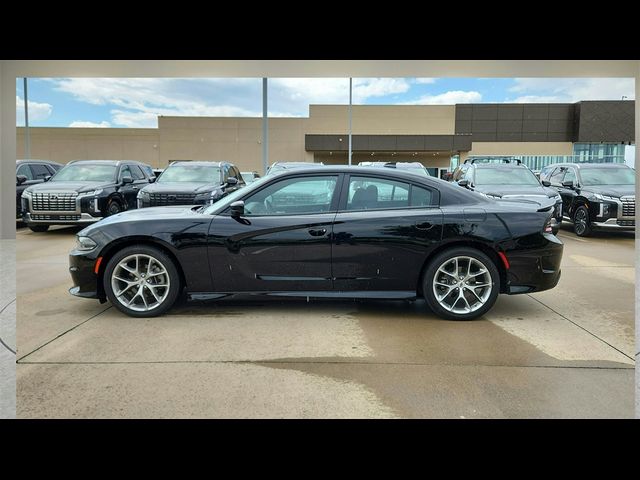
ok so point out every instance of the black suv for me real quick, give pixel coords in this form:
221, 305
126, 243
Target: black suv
594, 195
191, 183
30, 172
84, 192
510, 179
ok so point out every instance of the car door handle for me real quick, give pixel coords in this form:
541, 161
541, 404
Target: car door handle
424, 225
317, 233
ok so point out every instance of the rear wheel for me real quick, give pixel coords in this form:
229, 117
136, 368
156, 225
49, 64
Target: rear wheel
113, 207
581, 224
461, 284
39, 228
141, 281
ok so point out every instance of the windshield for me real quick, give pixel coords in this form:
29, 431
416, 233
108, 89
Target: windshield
506, 176
608, 176
85, 173
191, 174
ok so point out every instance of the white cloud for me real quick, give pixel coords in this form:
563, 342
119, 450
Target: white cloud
572, 90
364, 88
37, 111
84, 124
424, 80
447, 98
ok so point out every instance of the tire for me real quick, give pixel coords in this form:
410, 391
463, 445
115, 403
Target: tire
39, 228
113, 207
465, 307
132, 279
581, 223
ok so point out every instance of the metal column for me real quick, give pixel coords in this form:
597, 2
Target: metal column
265, 128
27, 139
350, 105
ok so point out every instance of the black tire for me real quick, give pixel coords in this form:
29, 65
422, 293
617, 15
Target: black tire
113, 207
158, 255
491, 277
581, 223
39, 228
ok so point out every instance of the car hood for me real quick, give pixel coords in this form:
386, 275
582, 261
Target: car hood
68, 186
153, 214
181, 187
611, 190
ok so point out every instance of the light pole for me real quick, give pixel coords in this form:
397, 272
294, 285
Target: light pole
27, 140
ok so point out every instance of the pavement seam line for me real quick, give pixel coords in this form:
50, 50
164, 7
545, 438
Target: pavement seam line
292, 362
63, 333
1, 340
582, 328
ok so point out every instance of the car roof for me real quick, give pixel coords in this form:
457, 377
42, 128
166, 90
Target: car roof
199, 163
48, 162
499, 165
590, 165
103, 162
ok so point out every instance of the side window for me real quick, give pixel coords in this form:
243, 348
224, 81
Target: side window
225, 173
293, 196
39, 171
422, 197
137, 173
468, 175
366, 193
53, 169
25, 170
570, 176
556, 176
125, 172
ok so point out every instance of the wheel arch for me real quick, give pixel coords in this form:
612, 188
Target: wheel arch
111, 249
483, 247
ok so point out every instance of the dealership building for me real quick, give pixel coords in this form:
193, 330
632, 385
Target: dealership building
438, 136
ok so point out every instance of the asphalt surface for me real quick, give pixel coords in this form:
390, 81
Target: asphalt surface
565, 353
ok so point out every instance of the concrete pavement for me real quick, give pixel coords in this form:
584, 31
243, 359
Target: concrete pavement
567, 353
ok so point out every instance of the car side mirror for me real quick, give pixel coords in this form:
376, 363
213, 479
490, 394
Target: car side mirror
546, 183
568, 184
463, 183
126, 180
152, 179
231, 181
237, 209
20, 179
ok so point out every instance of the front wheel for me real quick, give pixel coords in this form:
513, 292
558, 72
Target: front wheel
581, 224
141, 281
461, 284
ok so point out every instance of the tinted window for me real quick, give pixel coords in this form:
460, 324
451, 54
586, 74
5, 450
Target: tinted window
556, 176
137, 173
125, 171
53, 168
148, 170
421, 197
367, 193
570, 176
25, 170
293, 196
40, 171
85, 173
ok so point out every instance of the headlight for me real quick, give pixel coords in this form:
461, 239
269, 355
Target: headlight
26, 194
85, 244
142, 195
92, 192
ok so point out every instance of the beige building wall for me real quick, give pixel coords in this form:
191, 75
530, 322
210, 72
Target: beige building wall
382, 119
521, 148
65, 144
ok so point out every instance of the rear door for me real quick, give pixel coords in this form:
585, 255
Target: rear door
383, 232
282, 243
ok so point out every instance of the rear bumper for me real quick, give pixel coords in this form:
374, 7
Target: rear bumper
534, 270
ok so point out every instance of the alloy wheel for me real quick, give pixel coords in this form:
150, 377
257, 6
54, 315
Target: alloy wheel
140, 282
462, 285
580, 221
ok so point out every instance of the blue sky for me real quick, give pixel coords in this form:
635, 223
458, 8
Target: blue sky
136, 102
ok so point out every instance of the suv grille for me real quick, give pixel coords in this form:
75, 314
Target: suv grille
628, 206
161, 199
54, 202
55, 217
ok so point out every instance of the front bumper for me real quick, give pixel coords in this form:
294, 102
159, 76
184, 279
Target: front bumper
534, 270
616, 224
59, 218
86, 283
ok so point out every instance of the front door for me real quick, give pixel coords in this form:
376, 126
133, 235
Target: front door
383, 233
282, 243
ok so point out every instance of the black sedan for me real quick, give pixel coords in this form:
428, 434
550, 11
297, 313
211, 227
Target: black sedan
324, 232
